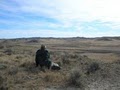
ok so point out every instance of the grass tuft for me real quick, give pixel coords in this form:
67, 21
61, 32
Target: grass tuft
76, 79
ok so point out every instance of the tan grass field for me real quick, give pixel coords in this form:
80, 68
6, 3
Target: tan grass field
87, 64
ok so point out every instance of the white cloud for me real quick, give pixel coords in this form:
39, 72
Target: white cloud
72, 10
106, 10
69, 13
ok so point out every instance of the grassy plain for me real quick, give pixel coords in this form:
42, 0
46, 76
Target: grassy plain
87, 64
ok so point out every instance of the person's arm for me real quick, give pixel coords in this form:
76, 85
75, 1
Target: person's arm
48, 54
36, 59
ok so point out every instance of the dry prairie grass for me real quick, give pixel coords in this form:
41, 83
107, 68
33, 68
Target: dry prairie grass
76, 57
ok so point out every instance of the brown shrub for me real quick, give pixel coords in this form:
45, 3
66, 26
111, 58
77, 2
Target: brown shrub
1, 46
8, 51
93, 67
54, 77
3, 85
13, 71
29, 67
76, 79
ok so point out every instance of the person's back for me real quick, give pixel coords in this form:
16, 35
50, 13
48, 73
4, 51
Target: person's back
42, 56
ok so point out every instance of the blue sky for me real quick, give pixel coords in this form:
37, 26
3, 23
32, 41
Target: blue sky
59, 18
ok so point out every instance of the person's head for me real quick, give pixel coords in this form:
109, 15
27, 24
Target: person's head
43, 47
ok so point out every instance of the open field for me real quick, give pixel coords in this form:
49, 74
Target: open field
87, 64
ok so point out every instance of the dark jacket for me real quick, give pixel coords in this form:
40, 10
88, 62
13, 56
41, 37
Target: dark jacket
42, 56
